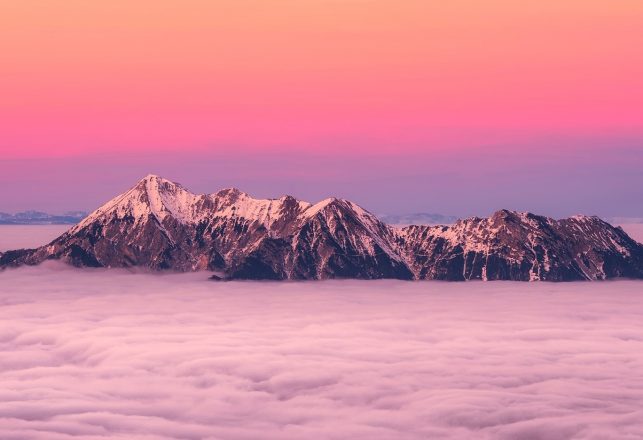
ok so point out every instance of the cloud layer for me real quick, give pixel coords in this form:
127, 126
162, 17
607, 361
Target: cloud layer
28, 236
634, 230
108, 354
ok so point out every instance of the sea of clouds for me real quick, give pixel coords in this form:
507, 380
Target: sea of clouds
634, 230
97, 354
28, 236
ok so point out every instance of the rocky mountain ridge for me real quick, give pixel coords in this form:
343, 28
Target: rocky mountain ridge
160, 225
418, 218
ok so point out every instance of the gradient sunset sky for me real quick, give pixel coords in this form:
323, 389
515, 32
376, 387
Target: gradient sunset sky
460, 107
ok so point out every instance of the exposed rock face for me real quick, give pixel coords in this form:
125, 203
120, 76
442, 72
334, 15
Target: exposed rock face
522, 246
159, 225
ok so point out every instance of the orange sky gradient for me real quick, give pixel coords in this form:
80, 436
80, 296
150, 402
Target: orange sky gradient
86, 77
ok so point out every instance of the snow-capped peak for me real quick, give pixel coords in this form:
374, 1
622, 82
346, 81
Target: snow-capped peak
151, 177
585, 218
230, 193
162, 198
319, 206
234, 203
152, 195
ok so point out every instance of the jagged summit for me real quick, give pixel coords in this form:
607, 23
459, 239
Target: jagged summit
153, 183
151, 196
162, 198
161, 225
152, 177
231, 193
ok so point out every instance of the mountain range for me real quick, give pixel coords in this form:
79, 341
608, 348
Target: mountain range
41, 218
418, 218
158, 224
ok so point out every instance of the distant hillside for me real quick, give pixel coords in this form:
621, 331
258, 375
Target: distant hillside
41, 218
419, 218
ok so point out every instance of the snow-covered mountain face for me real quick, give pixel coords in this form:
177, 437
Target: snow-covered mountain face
160, 225
522, 246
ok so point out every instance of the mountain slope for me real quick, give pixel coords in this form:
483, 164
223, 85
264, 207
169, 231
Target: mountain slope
332, 239
522, 246
160, 225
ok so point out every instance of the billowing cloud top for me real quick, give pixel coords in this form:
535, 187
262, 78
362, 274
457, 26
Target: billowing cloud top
97, 355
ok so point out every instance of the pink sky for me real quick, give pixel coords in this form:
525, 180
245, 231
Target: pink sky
85, 76
81, 80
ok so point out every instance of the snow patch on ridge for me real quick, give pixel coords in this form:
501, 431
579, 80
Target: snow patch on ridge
235, 203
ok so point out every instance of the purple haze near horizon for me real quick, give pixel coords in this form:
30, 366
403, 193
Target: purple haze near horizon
604, 177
